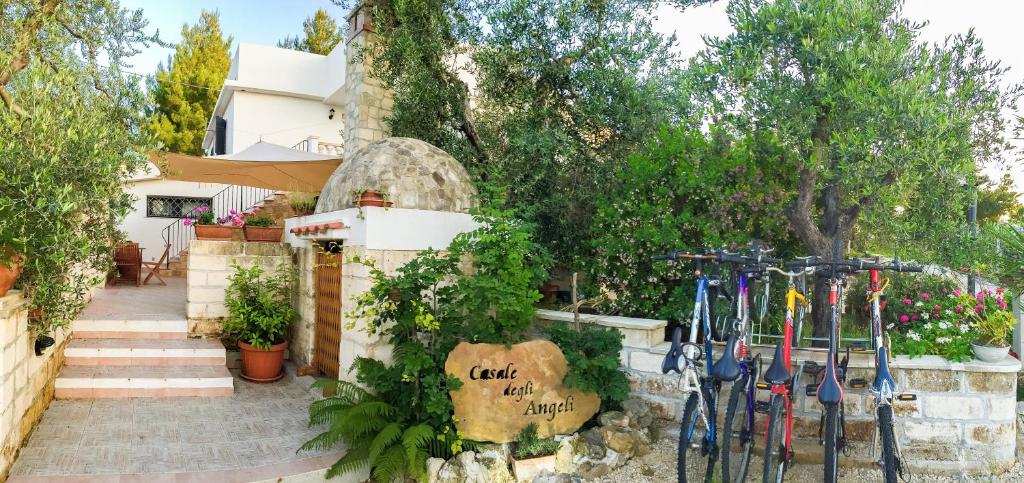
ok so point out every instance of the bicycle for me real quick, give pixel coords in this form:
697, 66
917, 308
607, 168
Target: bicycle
778, 452
829, 391
698, 432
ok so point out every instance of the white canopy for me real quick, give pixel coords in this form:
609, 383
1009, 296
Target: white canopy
263, 165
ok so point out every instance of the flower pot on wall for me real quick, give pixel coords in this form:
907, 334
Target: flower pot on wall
10, 273
372, 198
990, 354
260, 365
215, 232
263, 233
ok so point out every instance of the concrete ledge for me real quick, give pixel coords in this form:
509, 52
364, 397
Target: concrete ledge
636, 333
12, 302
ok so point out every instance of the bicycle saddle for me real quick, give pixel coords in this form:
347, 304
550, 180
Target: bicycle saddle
727, 368
830, 391
882, 375
777, 373
675, 353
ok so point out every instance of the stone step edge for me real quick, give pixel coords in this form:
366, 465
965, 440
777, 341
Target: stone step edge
117, 392
142, 382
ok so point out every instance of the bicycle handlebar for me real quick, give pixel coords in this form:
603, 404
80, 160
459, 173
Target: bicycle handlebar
852, 265
780, 271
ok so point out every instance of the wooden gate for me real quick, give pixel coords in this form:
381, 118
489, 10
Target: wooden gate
327, 276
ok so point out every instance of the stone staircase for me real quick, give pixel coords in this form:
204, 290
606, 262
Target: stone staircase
141, 358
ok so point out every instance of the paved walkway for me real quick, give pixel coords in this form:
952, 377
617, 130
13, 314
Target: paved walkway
250, 436
148, 302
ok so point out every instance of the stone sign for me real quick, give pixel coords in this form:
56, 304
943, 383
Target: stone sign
506, 388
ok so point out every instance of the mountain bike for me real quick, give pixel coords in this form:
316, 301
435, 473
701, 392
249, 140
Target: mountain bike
737, 366
698, 447
778, 452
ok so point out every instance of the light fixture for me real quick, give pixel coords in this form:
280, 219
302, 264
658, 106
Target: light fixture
330, 115
42, 342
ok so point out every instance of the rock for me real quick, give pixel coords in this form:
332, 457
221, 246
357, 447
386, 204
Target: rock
506, 388
622, 441
463, 468
594, 443
590, 470
548, 477
639, 412
614, 418
433, 468
494, 459
565, 454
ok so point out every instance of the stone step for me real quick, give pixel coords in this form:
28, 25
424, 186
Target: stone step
130, 329
144, 352
140, 381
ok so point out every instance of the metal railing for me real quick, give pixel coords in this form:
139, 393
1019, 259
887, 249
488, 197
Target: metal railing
234, 197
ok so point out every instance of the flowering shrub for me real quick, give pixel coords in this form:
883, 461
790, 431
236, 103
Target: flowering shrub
204, 216
945, 323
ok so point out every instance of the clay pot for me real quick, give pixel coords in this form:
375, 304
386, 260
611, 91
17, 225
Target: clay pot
262, 365
215, 232
263, 233
372, 198
10, 273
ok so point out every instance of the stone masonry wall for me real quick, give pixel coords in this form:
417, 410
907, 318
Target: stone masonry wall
210, 265
368, 102
27, 380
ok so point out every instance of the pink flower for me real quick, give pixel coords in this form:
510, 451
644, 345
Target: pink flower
914, 317
956, 292
925, 296
1002, 304
959, 309
907, 302
944, 290
232, 211
978, 308
202, 209
187, 222
937, 307
999, 290
904, 318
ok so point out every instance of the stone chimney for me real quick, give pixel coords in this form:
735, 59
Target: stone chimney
367, 102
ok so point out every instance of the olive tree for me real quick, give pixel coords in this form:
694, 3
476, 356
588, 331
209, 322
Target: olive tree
872, 117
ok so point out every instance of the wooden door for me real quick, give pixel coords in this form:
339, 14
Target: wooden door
327, 284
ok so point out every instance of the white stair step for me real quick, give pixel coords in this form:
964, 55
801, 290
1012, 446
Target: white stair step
142, 381
144, 352
130, 329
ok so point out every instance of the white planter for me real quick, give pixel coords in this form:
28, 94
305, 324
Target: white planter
990, 354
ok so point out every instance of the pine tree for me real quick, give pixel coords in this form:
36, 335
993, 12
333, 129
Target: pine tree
185, 92
322, 34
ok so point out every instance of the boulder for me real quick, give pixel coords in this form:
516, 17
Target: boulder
566, 453
614, 419
548, 477
621, 440
590, 470
594, 442
433, 468
463, 468
638, 411
495, 460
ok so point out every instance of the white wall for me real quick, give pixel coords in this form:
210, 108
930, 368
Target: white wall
280, 120
146, 230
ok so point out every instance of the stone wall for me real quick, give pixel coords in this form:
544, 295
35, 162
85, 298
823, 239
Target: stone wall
368, 102
27, 379
210, 265
963, 422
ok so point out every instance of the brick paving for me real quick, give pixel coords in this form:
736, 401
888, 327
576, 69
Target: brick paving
261, 424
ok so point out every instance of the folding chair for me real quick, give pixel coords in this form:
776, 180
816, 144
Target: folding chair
155, 267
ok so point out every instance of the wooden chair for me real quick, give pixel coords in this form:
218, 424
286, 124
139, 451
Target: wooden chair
155, 267
128, 258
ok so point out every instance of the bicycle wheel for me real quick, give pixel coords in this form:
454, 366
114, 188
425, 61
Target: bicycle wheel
721, 308
885, 430
775, 444
736, 438
693, 449
831, 443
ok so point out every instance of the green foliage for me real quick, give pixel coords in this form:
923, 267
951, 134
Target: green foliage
483, 289
185, 92
70, 135
529, 445
593, 357
997, 199
259, 304
1006, 250
321, 35
259, 221
996, 330
685, 191
932, 321
302, 202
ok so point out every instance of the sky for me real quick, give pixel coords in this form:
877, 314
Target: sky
997, 23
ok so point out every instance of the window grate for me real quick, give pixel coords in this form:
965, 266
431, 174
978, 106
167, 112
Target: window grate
173, 206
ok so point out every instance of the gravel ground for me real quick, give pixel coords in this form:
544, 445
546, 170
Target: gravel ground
660, 466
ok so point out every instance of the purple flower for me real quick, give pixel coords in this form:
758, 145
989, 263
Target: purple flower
907, 302
904, 318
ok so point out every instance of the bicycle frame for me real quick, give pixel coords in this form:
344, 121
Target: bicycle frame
884, 388
691, 380
792, 297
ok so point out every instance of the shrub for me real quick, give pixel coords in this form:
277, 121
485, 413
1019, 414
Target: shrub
259, 221
593, 357
302, 203
931, 323
528, 445
259, 305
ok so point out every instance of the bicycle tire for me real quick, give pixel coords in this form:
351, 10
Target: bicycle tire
886, 432
831, 443
738, 472
689, 456
775, 467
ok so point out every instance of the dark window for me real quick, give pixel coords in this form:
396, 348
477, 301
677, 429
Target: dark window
172, 206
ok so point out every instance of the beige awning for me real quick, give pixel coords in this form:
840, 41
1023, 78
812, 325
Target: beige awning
263, 165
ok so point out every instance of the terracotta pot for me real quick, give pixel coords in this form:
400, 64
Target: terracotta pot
372, 198
262, 365
263, 233
215, 232
10, 273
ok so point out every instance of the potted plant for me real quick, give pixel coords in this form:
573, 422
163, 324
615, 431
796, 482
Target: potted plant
209, 227
259, 311
302, 204
993, 326
369, 197
533, 455
260, 228
10, 269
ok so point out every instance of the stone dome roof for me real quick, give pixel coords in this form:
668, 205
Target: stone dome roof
411, 173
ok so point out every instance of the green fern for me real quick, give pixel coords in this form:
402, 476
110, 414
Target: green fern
390, 466
384, 439
353, 460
